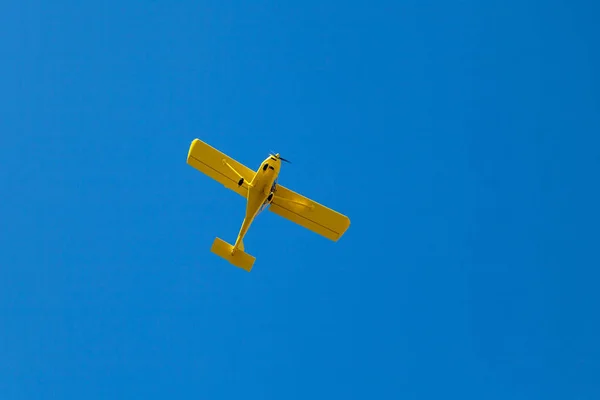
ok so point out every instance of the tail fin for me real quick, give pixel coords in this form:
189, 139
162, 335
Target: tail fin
239, 258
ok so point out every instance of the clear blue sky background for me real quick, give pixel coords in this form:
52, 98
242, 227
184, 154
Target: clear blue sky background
460, 137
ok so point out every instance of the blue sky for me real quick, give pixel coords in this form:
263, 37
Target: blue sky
460, 137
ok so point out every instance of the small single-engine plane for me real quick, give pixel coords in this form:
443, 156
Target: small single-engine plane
261, 190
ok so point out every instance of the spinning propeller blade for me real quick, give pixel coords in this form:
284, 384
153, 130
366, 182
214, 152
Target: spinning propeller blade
279, 157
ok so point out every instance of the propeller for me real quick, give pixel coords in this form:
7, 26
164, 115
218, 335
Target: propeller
280, 158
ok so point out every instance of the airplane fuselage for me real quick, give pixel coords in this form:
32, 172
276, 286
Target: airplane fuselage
266, 175
260, 193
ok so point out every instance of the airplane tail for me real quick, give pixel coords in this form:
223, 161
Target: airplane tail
239, 258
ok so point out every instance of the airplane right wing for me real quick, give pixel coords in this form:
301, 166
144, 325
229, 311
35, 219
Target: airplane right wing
309, 214
209, 160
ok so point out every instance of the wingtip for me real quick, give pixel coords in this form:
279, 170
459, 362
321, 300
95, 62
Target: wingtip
191, 148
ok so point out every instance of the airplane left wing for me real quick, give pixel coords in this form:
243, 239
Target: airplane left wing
209, 160
309, 214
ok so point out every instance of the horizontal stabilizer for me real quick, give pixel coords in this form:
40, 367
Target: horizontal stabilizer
239, 258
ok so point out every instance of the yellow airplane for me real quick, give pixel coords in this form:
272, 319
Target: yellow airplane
260, 188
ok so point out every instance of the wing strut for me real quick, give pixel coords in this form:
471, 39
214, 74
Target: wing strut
241, 181
278, 197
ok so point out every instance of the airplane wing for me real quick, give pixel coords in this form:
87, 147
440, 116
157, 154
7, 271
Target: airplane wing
209, 160
309, 214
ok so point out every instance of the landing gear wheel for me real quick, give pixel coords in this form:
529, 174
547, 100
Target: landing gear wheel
270, 197
241, 182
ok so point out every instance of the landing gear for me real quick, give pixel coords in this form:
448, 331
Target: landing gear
270, 197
